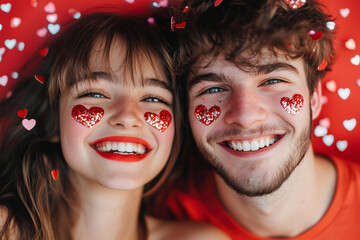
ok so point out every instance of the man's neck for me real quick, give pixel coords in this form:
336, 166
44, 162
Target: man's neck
304, 196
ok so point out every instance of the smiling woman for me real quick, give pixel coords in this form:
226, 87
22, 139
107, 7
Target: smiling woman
106, 133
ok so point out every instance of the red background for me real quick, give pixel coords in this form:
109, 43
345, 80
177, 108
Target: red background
335, 110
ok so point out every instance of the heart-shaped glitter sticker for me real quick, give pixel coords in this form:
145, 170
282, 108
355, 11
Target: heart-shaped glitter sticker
294, 4
55, 174
161, 122
87, 117
293, 105
205, 116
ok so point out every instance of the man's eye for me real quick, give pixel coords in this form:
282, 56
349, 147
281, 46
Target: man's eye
92, 95
214, 90
272, 81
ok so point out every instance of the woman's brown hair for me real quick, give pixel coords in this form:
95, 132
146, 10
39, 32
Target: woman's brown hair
38, 206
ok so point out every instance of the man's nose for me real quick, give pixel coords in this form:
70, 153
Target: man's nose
245, 109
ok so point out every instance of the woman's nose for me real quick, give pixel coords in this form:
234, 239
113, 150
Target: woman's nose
126, 114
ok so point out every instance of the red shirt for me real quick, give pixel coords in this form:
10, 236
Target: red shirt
197, 200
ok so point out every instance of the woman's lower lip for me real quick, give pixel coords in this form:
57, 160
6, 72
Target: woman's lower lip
122, 157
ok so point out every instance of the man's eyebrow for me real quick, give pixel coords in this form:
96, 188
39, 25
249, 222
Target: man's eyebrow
271, 67
211, 77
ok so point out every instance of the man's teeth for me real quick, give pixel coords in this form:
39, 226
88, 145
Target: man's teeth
121, 148
252, 145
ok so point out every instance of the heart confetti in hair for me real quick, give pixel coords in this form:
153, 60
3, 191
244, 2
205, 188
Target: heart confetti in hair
294, 4
315, 35
55, 174
87, 117
160, 123
217, 2
186, 9
172, 22
22, 113
44, 51
180, 25
40, 78
28, 124
205, 116
293, 105
323, 65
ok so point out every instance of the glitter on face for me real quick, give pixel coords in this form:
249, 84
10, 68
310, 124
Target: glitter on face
293, 105
87, 117
160, 123
205, 116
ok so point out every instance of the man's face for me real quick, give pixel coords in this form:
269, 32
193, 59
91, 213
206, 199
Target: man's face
254, 144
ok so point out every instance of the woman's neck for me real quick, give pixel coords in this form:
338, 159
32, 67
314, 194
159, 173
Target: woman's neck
105, 213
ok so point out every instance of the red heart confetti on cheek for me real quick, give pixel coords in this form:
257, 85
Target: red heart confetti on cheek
40, 78
87, 117
22, 113
55, 174
160, 123
294, 4
315, 35
205, 116
293, 105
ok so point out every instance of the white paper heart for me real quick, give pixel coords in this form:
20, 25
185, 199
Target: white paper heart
50, 7
41, 32
21, 46
3, 80
15, 22
355, 60
328, 140
2, 51
320, 131
344, 93
14, 75
344, 12
130, 1
325, 122
0, 27
10, 43
350, 44
331, 86
6, 7
330, 25
52, 17
28, 124
53, 28
358, 82
342, 145
349, 124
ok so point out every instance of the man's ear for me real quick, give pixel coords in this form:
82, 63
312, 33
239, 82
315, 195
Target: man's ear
315, 101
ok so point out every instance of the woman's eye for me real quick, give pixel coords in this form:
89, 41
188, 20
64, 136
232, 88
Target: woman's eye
154, 99
272, 81
92, 95
214, 90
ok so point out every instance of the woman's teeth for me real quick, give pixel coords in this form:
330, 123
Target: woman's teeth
251, 145
121, 148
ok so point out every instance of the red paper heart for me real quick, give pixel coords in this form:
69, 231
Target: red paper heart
293, 105
44, 51
22, 113
217, 2
180, 25
160, 123
294, 4
55, 174
315, 35
323, 65
40, 78
33, 3
205, 116
87, 117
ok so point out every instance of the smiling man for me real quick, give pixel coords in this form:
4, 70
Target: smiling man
251, 73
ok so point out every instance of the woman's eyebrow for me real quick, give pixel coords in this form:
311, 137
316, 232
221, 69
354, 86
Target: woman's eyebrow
156, 82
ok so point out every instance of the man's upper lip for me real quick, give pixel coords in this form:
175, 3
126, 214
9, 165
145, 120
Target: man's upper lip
127, 139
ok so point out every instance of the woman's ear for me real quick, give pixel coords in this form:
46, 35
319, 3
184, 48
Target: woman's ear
315, 101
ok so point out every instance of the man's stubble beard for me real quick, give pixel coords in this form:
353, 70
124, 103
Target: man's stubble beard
250, 188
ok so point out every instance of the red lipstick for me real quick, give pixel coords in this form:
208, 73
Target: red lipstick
122, 157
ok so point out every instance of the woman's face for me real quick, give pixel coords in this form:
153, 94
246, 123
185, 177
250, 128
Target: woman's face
117, 132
